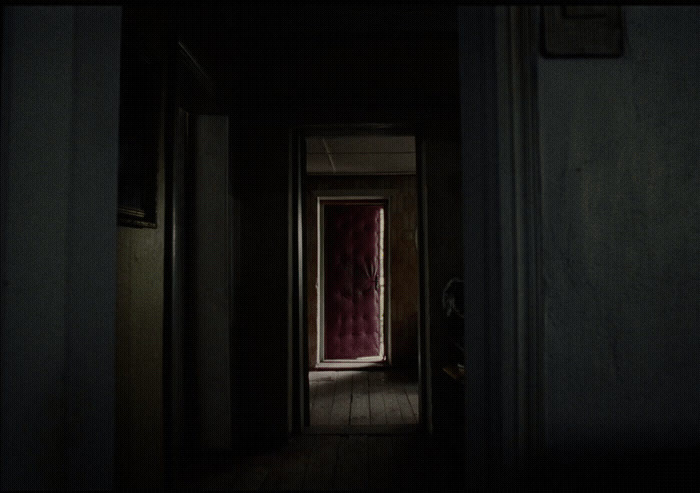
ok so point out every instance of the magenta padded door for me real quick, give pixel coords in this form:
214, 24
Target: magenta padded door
353, 235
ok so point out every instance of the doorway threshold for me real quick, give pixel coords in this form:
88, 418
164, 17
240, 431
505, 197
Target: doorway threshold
399, 429
350, 365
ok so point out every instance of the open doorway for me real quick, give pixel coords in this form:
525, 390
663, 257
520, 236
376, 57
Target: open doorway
351, 283
362, 281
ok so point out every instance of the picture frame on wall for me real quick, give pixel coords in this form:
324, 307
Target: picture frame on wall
582, 31
139, 124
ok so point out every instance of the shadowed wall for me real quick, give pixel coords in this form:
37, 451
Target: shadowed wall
619, 143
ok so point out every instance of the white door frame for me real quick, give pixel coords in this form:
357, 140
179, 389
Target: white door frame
385, 351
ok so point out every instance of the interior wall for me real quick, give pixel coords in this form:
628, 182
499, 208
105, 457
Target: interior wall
60, 107
140, 349
212, 282
139, 319
621, 236
259, 335
403, 256
443, 177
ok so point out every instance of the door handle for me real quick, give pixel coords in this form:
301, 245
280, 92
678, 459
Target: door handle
376, 283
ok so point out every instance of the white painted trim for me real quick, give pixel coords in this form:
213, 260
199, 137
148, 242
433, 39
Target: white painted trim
385, 344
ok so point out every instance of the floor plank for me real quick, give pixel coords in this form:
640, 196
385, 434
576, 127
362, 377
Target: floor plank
359, 411
377, 408
412, 393
321, 398
361, 398
352, 466
340, 413
320, 470
407, 415
379, 454
406, 461
288, 473
229, 481
393, 410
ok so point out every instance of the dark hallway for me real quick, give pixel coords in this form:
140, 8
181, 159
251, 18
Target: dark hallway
165, 175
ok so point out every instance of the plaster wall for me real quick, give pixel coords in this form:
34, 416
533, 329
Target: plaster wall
621, 236
60, 107
139, 317
212, 284
140, 349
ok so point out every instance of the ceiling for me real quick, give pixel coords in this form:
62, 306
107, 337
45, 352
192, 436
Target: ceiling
211, 29
362, 155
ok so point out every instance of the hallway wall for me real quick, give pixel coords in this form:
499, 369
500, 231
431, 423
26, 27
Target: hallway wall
140, 350
620, 186
139, 317
58, 228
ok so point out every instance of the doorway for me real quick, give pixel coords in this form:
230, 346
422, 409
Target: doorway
351, 296
361, 280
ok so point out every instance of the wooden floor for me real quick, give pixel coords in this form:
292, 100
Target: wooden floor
415, 462
403, 462
358, 447
361, 398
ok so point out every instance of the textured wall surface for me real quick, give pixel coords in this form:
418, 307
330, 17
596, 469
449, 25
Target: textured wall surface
60, 107
404, 258
140, 313
212, 273
621, 232
140, 348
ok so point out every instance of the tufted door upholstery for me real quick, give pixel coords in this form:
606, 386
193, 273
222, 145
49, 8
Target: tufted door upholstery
351, 280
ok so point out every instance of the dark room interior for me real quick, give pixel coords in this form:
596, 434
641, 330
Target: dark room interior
349, 247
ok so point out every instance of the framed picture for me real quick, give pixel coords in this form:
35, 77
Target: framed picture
139, 125
582, 31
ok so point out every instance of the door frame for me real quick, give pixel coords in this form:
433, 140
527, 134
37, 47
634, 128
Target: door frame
298, 415
505, 412
350, 195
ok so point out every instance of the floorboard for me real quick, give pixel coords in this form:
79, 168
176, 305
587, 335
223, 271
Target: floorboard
359, 411
321, 390
398, 462
288, 473
379, 455
351, 468
407, 415
361, 398
320, 470
393, 411
412, 393
340, 413
377, 408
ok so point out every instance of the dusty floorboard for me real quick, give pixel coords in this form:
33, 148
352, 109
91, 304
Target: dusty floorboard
358, 398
